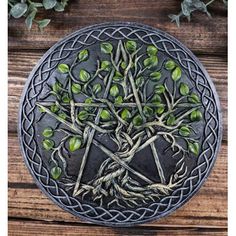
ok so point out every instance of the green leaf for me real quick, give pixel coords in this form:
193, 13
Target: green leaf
59, 7
137, 120
118, 100
184, 131
56, 87
54, 108
193, 98
194, 148
114, 91
171, 120
83, 115
176, 74
105, 115
76, 88
117, 77
63, 68
156, 98
84, 75
65, 98
49, 4
97, 88
184, 89
159, 89
106, 65
62, 115
195, 115
74, 143
139, 82
29, 19
170, 65
151, 62
42, 109
152, 50
48, 144
88, 101
106, 48
125, 114
83, 55
155, 76
48, 132
56, 172
18, 10
160, 109
123, 65
43, 23
131, 46
148, 111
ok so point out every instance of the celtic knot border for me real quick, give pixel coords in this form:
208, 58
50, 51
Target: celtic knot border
116, 31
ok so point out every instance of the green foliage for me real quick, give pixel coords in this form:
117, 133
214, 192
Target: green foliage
84, 75
48, 132
176, 73
131, 46
184, 131
159, 89
105, 115
114, 91
63, 68
76, 88
150, 62
56, 172
83, 115
148, 111
137, 120
151, 50
194, 148
155, 76
106, 65
48, 144
196, 115
29, 10
97, 88
184, 89
74, 143
106, 48
125, 114
83, 55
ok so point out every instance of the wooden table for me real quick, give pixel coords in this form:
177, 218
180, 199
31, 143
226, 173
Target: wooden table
30, 211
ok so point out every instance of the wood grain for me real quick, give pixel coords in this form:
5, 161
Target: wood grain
202, 37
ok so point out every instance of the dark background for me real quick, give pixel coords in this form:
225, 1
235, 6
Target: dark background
30, 212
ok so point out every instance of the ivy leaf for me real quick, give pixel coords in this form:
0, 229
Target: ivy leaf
151, 62
193, 98
114, 91
49, 4
148, 111
76, 88
43, 23
152, 50
105, 115
29, 19
156, 99
137, 120
59, 7
56, 172
106, 65
97, 88
56, 87
171, 120
131, 46
123, 65
117, 77
65, 98
170, 65
139, 82
48, 144
176, 74
83, 115
48, 132
54, 108
63, 68
83, 55
195, 115
18, 10
160, 109
184, 89
159, 89
125, 114
62, 115
106, 48
74, 144
184, 131
84, 75
194, 148
155, 76
118, 100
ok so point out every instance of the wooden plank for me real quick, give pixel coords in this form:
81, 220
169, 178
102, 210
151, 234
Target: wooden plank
202, 35
26, 228
22, 62
208, 207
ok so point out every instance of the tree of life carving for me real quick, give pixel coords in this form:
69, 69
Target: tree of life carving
128, 100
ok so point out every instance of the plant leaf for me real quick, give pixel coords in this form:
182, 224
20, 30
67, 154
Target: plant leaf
48, 144
152, 50
139, 82
117, 77
105, 115
74, 143
18, 10
106, 65
184, 131
56, 87
76, 88
54, 108
97, 88
194, 148
195, 115
184, 89
148, 111
114, 91
137, 120
151, 62
83, 55
155, 76
118, 100
83, 115
160, 109
131, 46
156, 99
171, 120
106, 48
125, 114
49, 4
43, 23
65, 98
176, 74
56, 172
84, 75
29, 19
48, 132
170, 65
59, 7
159, 89
63, 68
194, 98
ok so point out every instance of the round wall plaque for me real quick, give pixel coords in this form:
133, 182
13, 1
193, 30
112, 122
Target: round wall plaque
119, 124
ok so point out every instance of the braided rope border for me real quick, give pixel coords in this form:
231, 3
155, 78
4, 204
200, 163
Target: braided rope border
164, 43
